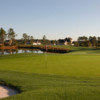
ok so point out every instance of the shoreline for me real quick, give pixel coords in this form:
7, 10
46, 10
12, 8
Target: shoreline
8, 47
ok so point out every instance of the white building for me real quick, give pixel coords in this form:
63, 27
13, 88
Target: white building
65, 43
36, 43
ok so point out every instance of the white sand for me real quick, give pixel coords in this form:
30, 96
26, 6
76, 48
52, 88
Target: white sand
6, 91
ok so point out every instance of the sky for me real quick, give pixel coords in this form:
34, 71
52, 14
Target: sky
56, 19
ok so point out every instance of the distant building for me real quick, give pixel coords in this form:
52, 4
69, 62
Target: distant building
37, 43
66, 41
54, 44
61, 42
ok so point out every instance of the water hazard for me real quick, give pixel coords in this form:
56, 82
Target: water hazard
17, 51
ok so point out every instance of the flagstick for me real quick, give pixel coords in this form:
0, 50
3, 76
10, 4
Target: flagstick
46, 56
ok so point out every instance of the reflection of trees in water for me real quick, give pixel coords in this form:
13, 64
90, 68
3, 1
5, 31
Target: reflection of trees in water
2, 52
34, 50
30, 50
15, 51
8, 51
25, 51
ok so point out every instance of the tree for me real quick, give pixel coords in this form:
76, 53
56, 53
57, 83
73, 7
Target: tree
44, 39
98, 41
69, 40
75, 43
3, 35
25, 38
82, 38
54, 42
83, 41
93, 40
31, 39
11, 36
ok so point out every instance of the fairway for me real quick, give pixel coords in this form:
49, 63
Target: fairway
71, 76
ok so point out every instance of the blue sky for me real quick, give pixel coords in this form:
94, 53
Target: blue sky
53, 18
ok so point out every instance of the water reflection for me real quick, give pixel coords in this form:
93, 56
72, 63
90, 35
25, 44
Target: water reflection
10, 51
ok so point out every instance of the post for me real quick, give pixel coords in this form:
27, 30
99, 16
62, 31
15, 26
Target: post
45, 56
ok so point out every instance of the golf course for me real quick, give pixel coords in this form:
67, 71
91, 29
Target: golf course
53, 76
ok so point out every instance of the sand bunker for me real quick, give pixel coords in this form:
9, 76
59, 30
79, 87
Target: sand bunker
6, 91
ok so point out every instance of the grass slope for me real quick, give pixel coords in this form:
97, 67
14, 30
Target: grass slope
73, 76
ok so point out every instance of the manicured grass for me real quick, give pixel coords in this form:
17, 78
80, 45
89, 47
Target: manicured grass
48, 87
56, 64
72, 76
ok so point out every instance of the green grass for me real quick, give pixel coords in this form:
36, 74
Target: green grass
72, 76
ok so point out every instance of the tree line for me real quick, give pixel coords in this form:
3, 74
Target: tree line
10, 35
7, 35
8, 38
91, 41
